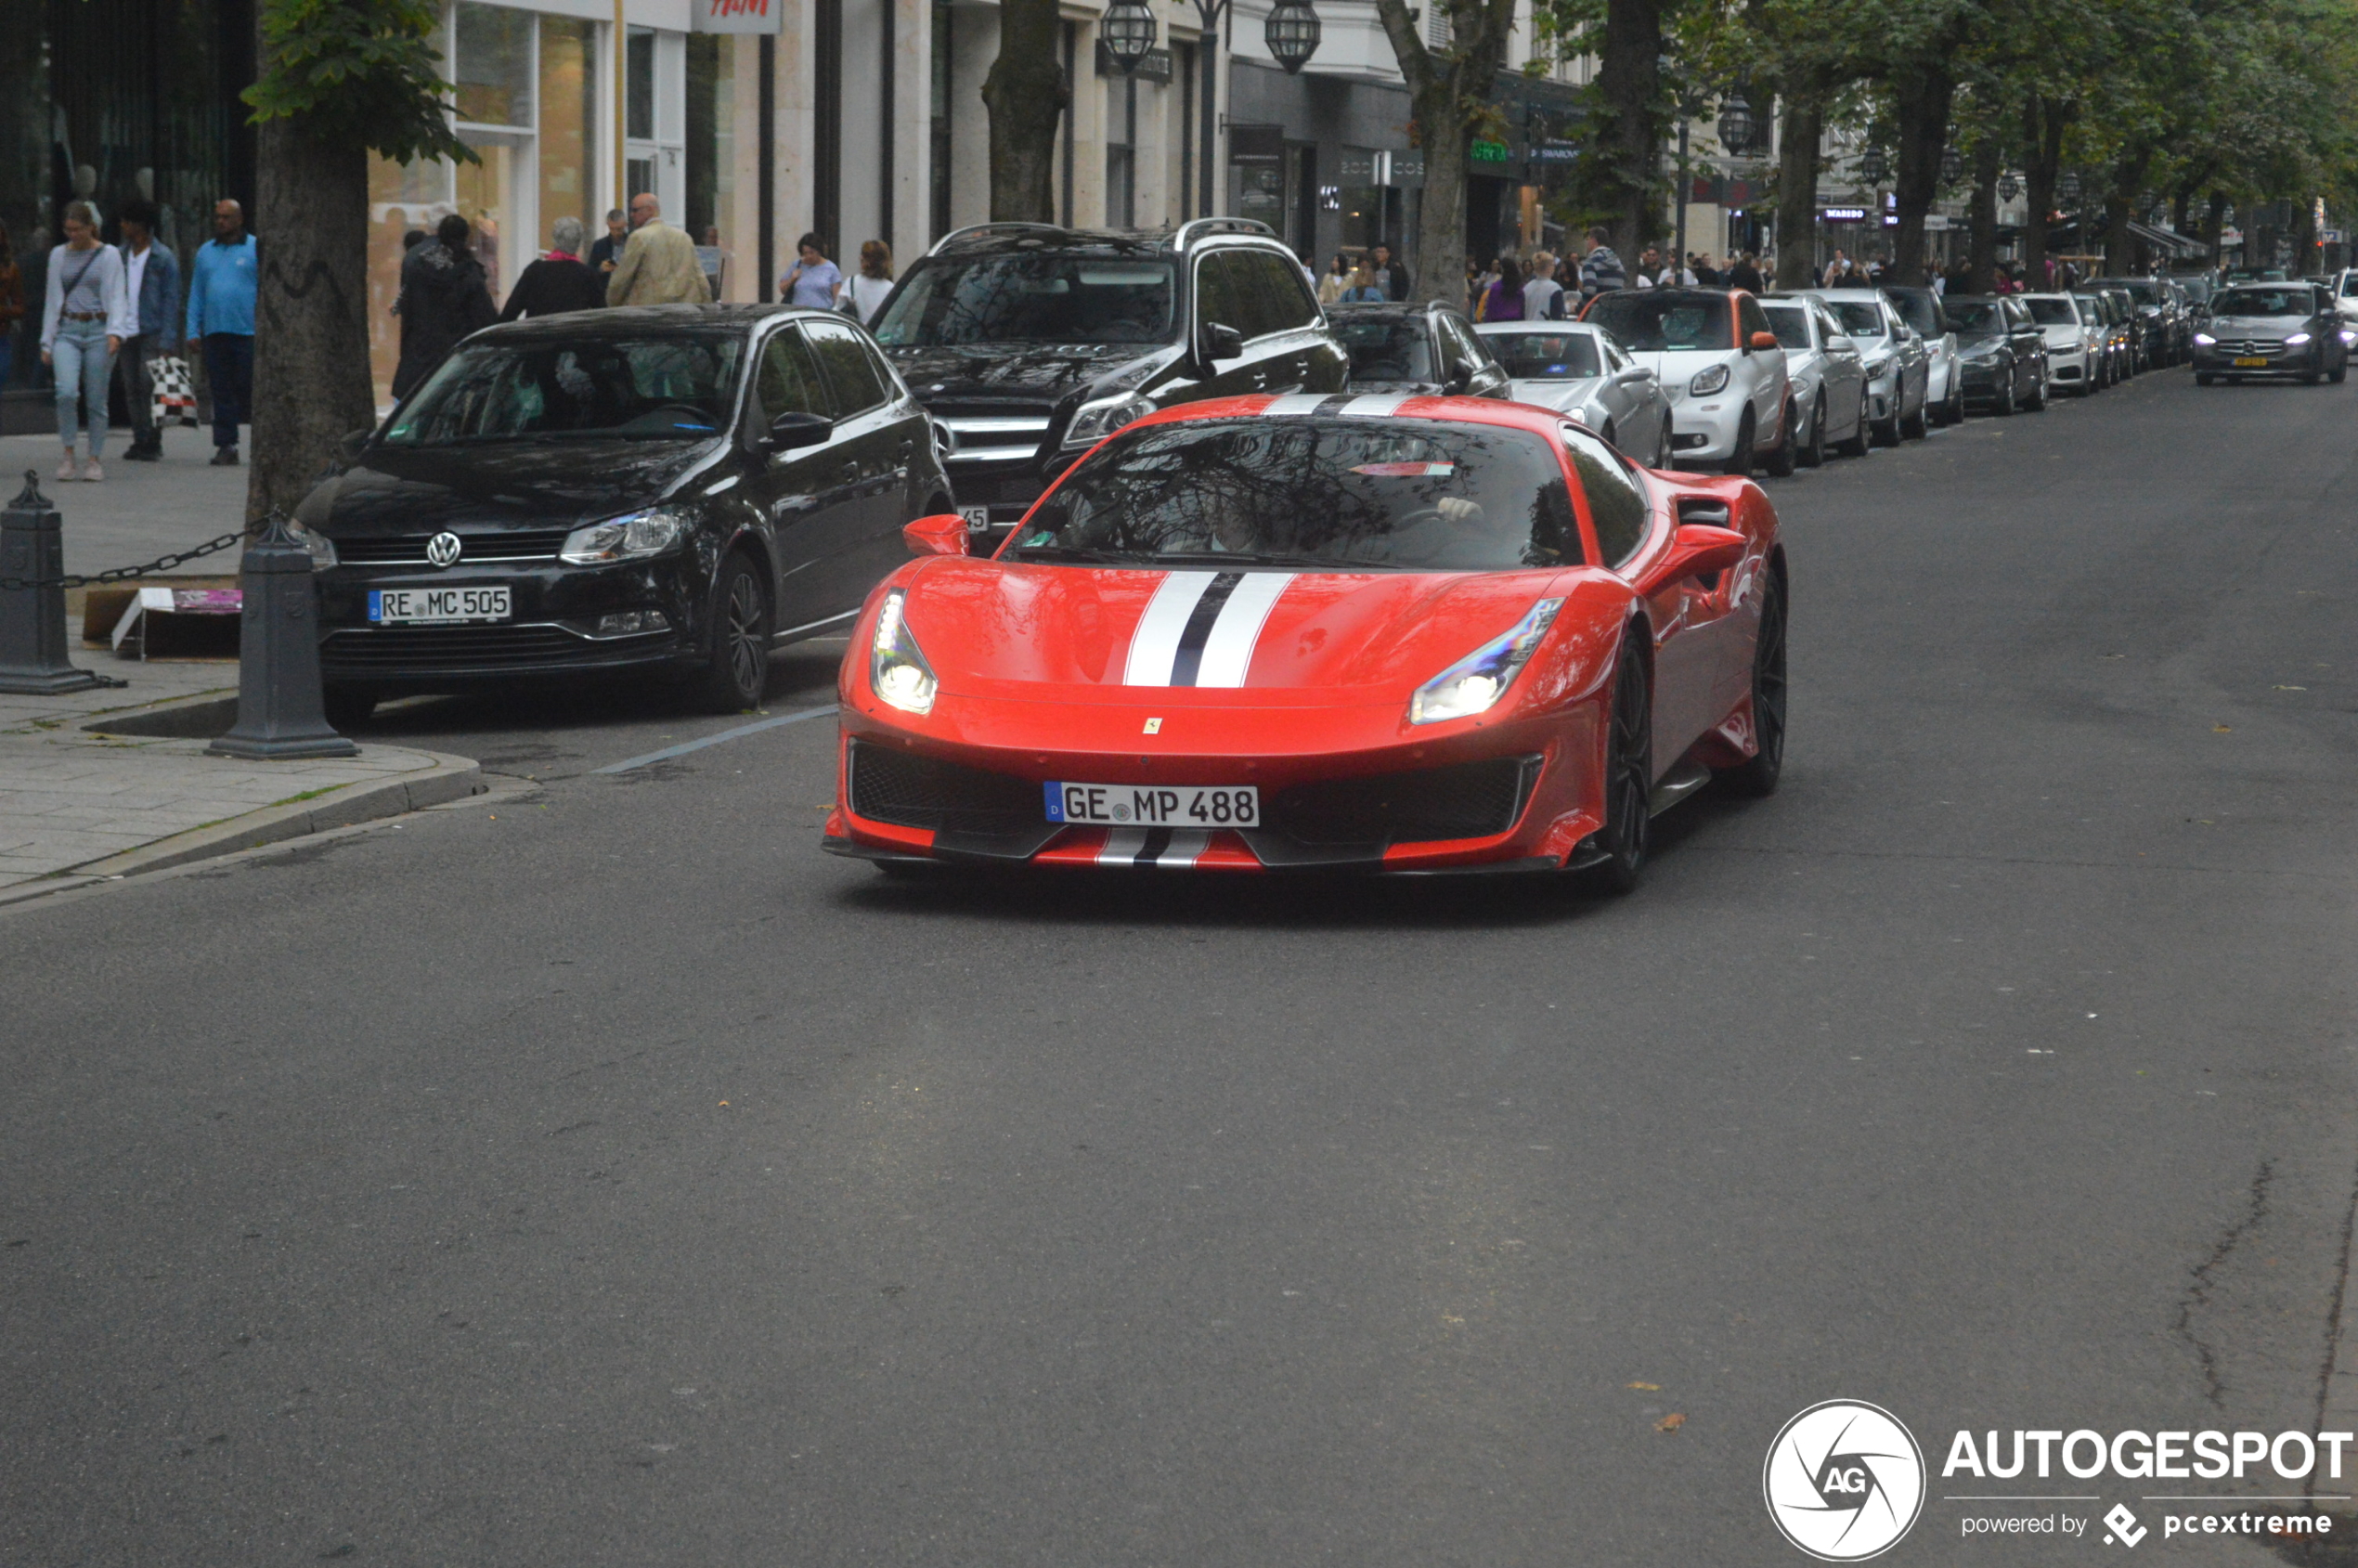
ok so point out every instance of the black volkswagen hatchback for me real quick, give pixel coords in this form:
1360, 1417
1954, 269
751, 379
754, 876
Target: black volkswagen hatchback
671, 490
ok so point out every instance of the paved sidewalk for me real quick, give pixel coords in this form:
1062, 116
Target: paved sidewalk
141, 510
78, 805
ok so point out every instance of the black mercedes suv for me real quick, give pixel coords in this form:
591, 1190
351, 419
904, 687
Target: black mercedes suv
1028, 343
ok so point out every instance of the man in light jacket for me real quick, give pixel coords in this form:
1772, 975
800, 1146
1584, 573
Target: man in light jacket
659, 264
154, 284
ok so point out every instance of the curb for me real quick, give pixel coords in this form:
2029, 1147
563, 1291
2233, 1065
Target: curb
450, 778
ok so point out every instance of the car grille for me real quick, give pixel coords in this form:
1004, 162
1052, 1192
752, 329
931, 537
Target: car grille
1469, 800
924, 792
1000, 434
409, 549
460, 647
2248, 347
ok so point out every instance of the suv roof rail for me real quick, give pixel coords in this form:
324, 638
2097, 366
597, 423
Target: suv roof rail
1187, 232
975, 228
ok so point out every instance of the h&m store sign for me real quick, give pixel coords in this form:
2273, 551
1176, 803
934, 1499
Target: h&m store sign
737, 16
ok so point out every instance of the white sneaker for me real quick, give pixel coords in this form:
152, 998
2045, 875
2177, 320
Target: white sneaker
67, 472
92, 472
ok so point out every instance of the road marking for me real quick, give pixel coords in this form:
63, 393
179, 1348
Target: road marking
684, 748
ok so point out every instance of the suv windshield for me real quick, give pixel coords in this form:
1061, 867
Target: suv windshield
1546, 356
1652, 320
1919, 309
1790, 322
2264, 302
1975, 318
2051, 313
1331, 494
679, 387
1386, 348
1034, 298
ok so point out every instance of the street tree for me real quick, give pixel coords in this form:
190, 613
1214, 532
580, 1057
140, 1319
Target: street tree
337, 80
1026, 98
1452, 91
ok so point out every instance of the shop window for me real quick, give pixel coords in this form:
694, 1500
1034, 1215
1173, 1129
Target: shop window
712, 141
639, 84
568, 124
494, 67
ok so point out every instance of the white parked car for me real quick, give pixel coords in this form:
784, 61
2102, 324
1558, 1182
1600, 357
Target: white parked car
1898, 371
2075, 341
1829, 379
1578, 370
1715, 353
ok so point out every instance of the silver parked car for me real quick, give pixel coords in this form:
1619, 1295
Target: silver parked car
1944, 383
1898, 370
1829, 379
1580, 371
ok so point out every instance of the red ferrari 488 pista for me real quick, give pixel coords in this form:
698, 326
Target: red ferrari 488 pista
1421, 634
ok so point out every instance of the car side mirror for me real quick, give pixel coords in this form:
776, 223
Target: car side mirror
1763, 341
1842, 342
944, 533
351, 446
792, 429
1459, 380
1216, 342
1697, 550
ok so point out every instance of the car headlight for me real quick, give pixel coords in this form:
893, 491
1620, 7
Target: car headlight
1091, 422
2296, 339
1475, 683
625, 539
2205, 339
897, 669
1710, 379
322, 549
2349, 334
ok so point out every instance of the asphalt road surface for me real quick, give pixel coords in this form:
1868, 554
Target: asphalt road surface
604, 1175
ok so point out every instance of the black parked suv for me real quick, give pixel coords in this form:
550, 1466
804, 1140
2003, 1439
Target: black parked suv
662, 489
1028, 343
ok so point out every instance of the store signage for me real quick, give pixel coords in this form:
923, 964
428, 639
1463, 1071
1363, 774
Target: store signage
1488, 152
1843, 215
1256, 145
737, 16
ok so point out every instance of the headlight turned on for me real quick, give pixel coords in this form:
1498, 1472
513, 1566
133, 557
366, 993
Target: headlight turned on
1475, 683
897, 669
625, 539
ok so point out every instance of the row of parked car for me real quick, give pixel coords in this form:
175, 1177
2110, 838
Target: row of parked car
678, 491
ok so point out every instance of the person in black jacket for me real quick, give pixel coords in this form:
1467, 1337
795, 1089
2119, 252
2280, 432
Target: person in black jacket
559, 282
444, 297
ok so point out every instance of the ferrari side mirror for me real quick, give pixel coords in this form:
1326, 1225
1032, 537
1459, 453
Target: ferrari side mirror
944, 533
1697, 550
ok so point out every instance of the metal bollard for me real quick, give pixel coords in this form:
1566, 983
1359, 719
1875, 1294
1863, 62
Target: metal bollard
33, 619
279, 711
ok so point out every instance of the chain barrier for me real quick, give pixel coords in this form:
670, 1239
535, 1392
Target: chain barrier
122, 574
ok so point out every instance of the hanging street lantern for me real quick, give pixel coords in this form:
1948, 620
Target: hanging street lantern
1129, 33
2008, 187
1874, 168
1953, 167
1291, 34
1737, 127
2068, 188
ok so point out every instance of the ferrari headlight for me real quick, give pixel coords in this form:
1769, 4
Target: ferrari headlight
1710, 379
1091, 422
625, 539
322, 549
1475, 683
897, 670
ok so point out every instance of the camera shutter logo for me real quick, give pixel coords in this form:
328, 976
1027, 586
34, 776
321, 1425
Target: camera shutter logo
443, 549
1844, 1481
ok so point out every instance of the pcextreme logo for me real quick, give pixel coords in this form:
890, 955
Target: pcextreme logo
1844, 1481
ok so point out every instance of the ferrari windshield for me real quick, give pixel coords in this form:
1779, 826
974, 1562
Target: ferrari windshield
1654, 320
1327, 494
2264, 302
1038, 297
1546, 355
678, 387
1386, 348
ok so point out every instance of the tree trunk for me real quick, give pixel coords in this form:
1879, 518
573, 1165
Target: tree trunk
1798, 136
2214, 220
2044, 121
1448, 92
1628, 78
2121, 248
311, 378
1982, 258
1026, 96
1924, 98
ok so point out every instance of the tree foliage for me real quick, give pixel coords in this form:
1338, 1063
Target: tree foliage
360, 72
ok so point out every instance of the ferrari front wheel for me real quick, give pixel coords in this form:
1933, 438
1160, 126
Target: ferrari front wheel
1757, 775
1629, 779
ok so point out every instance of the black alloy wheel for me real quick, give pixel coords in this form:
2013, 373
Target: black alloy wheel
1860, 440
1919, 427
2037, 401
737, 673
2002, 403
2204, 378
1630, 776
1739, 460
1661, 446
1956, 414
1757, 775
2339, 373
1813, 454
345, 707
1781, 460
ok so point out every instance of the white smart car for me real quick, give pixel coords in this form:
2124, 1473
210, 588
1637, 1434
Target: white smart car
1718, 358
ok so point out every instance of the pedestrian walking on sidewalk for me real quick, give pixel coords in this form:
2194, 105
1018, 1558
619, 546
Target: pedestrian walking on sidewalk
864, 295
813, 280
86, 314
11, 304
559, 282
152, 278
659, 264
444, 297
221, 293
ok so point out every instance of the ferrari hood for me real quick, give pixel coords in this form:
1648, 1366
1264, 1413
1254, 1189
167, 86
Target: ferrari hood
1083, 634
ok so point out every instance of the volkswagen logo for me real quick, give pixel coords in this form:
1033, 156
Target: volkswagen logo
443, 549
1844, 1481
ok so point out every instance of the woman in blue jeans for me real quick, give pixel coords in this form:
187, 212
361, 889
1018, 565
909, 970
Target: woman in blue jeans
86, 314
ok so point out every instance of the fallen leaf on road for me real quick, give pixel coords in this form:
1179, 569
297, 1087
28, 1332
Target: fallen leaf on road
1650, 1388
1671, 1422
2223, 729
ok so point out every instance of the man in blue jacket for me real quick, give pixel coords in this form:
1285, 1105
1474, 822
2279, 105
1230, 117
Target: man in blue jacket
154, 278
221, 293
